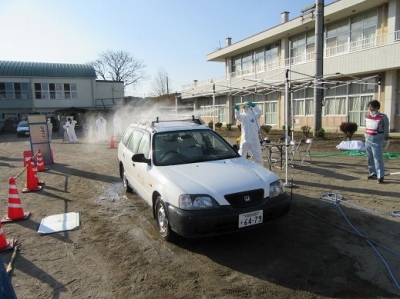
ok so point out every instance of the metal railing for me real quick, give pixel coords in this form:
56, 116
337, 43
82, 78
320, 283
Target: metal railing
359, 45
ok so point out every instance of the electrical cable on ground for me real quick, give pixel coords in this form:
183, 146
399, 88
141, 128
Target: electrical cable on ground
336, 199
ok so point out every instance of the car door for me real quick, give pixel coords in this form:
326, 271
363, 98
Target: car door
141, 170
131, 149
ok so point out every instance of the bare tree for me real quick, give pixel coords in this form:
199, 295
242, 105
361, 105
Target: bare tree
119, 66
161, 84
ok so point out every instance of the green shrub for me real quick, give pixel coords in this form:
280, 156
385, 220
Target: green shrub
306, 131
218, 125
265, 128
320, 133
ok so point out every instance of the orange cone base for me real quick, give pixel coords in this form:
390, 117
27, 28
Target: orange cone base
112, 145
25, 190
6, 219
7, 247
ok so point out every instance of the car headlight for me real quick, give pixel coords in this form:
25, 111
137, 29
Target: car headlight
196, 202
276, 188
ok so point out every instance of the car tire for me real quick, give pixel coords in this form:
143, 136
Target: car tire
162, 219
125, 182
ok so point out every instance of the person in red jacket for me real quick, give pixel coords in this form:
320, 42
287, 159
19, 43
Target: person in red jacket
376, 132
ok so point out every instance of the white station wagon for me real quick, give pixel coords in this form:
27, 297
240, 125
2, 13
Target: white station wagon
195, 182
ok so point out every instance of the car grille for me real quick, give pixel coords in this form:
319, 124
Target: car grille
246, 198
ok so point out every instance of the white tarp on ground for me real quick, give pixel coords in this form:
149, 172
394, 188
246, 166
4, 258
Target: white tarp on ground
59, 223
353, 145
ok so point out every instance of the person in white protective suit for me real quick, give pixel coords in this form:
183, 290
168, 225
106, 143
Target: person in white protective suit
117, 126
50, 128
250, 137
101, 124
70, 128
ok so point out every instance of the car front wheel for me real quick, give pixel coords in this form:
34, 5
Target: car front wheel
164, 227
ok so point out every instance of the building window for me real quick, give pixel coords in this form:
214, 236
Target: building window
303, 47
352, 34
14, 91
2, 91
337, 37
266, 58
335, 106
335, 101
353, 98
303, 101
358, 108
262, 59
56, 91
363, 30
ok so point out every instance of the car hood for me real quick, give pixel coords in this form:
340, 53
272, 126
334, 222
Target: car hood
218, 178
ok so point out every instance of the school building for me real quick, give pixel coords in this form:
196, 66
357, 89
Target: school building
356, 45
54, 89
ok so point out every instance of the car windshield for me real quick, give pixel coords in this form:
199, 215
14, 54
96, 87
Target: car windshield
23, 124
180, 147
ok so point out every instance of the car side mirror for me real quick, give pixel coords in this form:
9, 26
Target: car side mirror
140, 158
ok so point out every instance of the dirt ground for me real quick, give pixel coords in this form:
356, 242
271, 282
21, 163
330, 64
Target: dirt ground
321, 250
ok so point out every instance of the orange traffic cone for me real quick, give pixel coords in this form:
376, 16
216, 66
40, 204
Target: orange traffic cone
39, 182
31, 180
27, 157
4, 243
15, 211
39, 161
112, 145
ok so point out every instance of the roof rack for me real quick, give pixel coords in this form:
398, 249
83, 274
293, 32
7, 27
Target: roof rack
192, 120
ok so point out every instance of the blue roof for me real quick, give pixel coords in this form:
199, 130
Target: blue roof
43, 69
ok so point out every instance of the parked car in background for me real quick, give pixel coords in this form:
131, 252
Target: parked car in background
23, 129
195, 182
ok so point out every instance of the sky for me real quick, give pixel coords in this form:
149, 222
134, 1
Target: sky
170, 35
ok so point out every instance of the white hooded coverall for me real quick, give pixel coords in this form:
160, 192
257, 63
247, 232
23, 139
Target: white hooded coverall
250, 140
101, 129
70, 127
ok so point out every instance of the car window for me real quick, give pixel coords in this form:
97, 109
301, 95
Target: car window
144, 145
134, 141
126, 136
189, 147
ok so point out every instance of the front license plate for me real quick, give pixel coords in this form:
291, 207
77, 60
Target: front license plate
251, 218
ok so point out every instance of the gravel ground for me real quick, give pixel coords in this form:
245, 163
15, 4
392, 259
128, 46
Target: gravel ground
322, 250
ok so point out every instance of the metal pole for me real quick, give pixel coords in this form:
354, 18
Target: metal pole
319, 31
379, 88
286, 124
213, 112
289, 87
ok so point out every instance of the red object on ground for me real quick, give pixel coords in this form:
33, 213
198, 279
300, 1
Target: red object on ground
15, 210
31, 179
